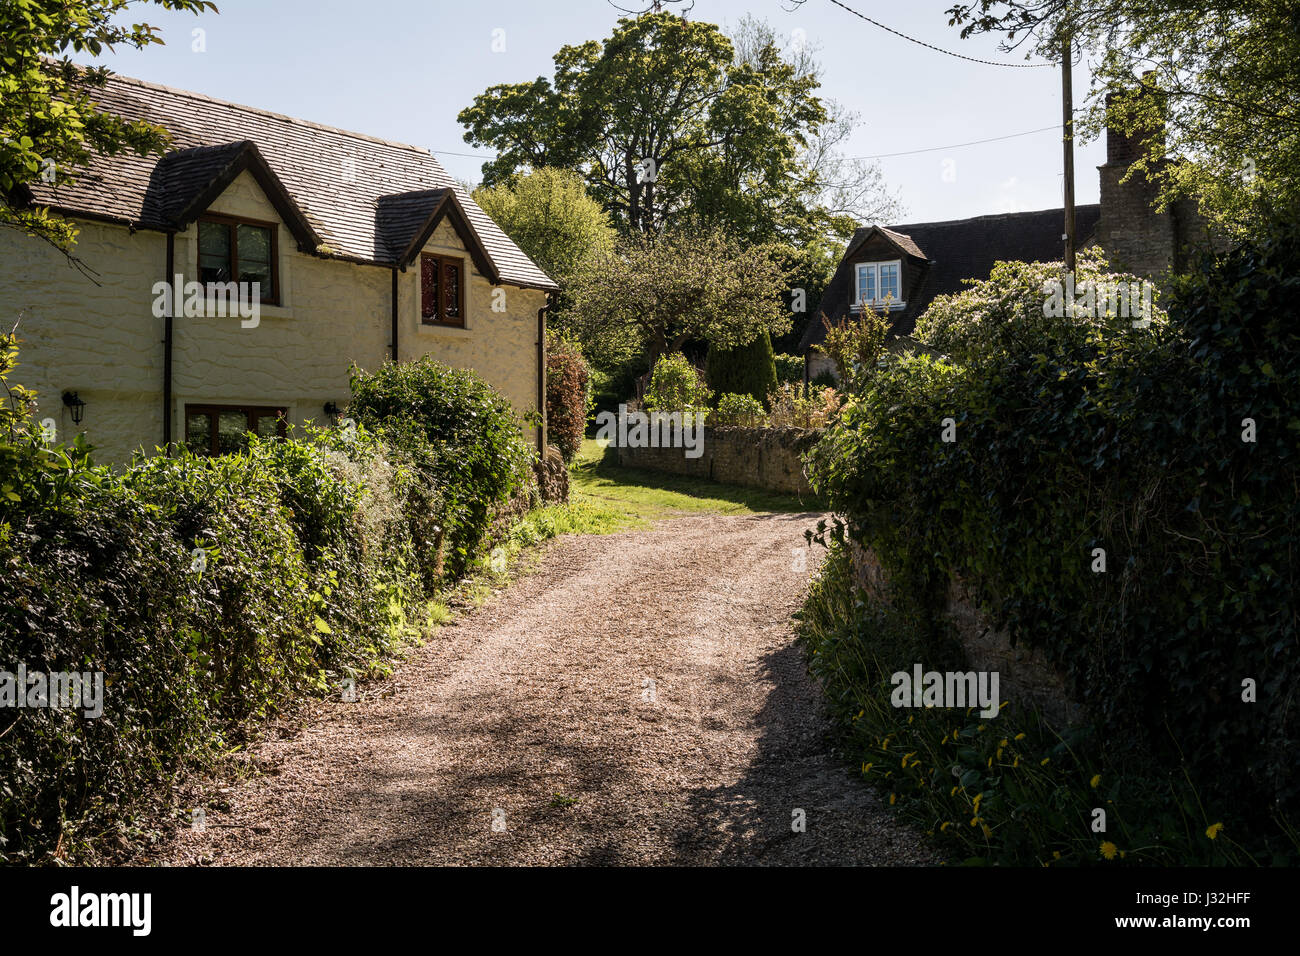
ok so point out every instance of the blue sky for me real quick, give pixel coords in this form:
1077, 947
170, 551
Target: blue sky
403, 69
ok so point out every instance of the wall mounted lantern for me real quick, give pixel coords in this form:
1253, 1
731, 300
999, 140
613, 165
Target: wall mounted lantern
71, 401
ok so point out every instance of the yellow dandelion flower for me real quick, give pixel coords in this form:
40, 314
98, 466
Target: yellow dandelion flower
1002, 742
1109, 850
1045, 761
990, 761
866, 767
953, 792
1016, 762
944, 741
892, 798
1095, 781
1056, 854
987, 832
1213, 831
974, 821
999, 753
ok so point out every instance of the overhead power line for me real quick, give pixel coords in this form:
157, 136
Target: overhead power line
931, 46
974, 142
906, 152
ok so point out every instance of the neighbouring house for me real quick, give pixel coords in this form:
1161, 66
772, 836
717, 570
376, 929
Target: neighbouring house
900, 269
360, 251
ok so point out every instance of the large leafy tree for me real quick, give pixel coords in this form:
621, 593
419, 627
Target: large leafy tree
671, 123
654, 294
49, 124
550, 216
1221, 77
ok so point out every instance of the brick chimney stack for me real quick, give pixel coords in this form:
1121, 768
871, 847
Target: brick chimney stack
1133, 235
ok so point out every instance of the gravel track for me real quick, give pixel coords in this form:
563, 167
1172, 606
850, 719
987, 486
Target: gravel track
636, 699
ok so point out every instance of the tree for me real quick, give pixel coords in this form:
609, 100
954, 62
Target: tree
655, 293
673, 124
748, 369
49, 124
550, 217
1224, 73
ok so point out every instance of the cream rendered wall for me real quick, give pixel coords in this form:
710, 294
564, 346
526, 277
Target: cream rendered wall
500, 344
105, 343
99, 340
330, 315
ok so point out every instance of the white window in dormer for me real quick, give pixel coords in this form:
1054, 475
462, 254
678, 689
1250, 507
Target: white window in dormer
878, 282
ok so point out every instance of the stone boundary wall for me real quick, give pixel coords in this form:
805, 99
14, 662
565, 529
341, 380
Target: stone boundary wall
766, 458
1026, 677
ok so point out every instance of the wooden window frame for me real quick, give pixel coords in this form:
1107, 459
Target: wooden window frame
438, 318
231, 222
254, 412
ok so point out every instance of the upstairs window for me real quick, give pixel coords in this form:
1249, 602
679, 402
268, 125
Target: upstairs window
442, 290
878, 281
239, 250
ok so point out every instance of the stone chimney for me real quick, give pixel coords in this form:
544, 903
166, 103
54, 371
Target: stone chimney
1133, 235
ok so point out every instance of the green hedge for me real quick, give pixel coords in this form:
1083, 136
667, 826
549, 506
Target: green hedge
211, 591
1129, 440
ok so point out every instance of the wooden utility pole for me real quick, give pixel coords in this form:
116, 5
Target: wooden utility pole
1067, 122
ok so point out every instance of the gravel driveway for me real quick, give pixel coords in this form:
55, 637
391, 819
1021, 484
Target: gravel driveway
637, 699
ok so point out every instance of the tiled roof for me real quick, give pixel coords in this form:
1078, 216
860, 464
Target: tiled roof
338, 181
957, 249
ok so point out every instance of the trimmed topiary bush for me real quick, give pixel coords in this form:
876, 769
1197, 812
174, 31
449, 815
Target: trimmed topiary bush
745, 370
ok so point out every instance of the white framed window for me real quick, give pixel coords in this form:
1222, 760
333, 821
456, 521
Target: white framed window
877, 281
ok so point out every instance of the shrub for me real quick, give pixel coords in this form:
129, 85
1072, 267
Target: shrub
1126, 440
744, 370
567, 392
1005, 315
789, 368
855, 345
676, 386
790, 409
743, 411
461, 433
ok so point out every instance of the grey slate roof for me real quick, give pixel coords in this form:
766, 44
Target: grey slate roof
957, 249
338, 180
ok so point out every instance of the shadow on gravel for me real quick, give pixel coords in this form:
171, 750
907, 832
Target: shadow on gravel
794, 775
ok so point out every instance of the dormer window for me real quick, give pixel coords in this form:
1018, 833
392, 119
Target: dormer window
239, 250
878, 282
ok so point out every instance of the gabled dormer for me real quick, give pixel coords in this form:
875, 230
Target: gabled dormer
884, 268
